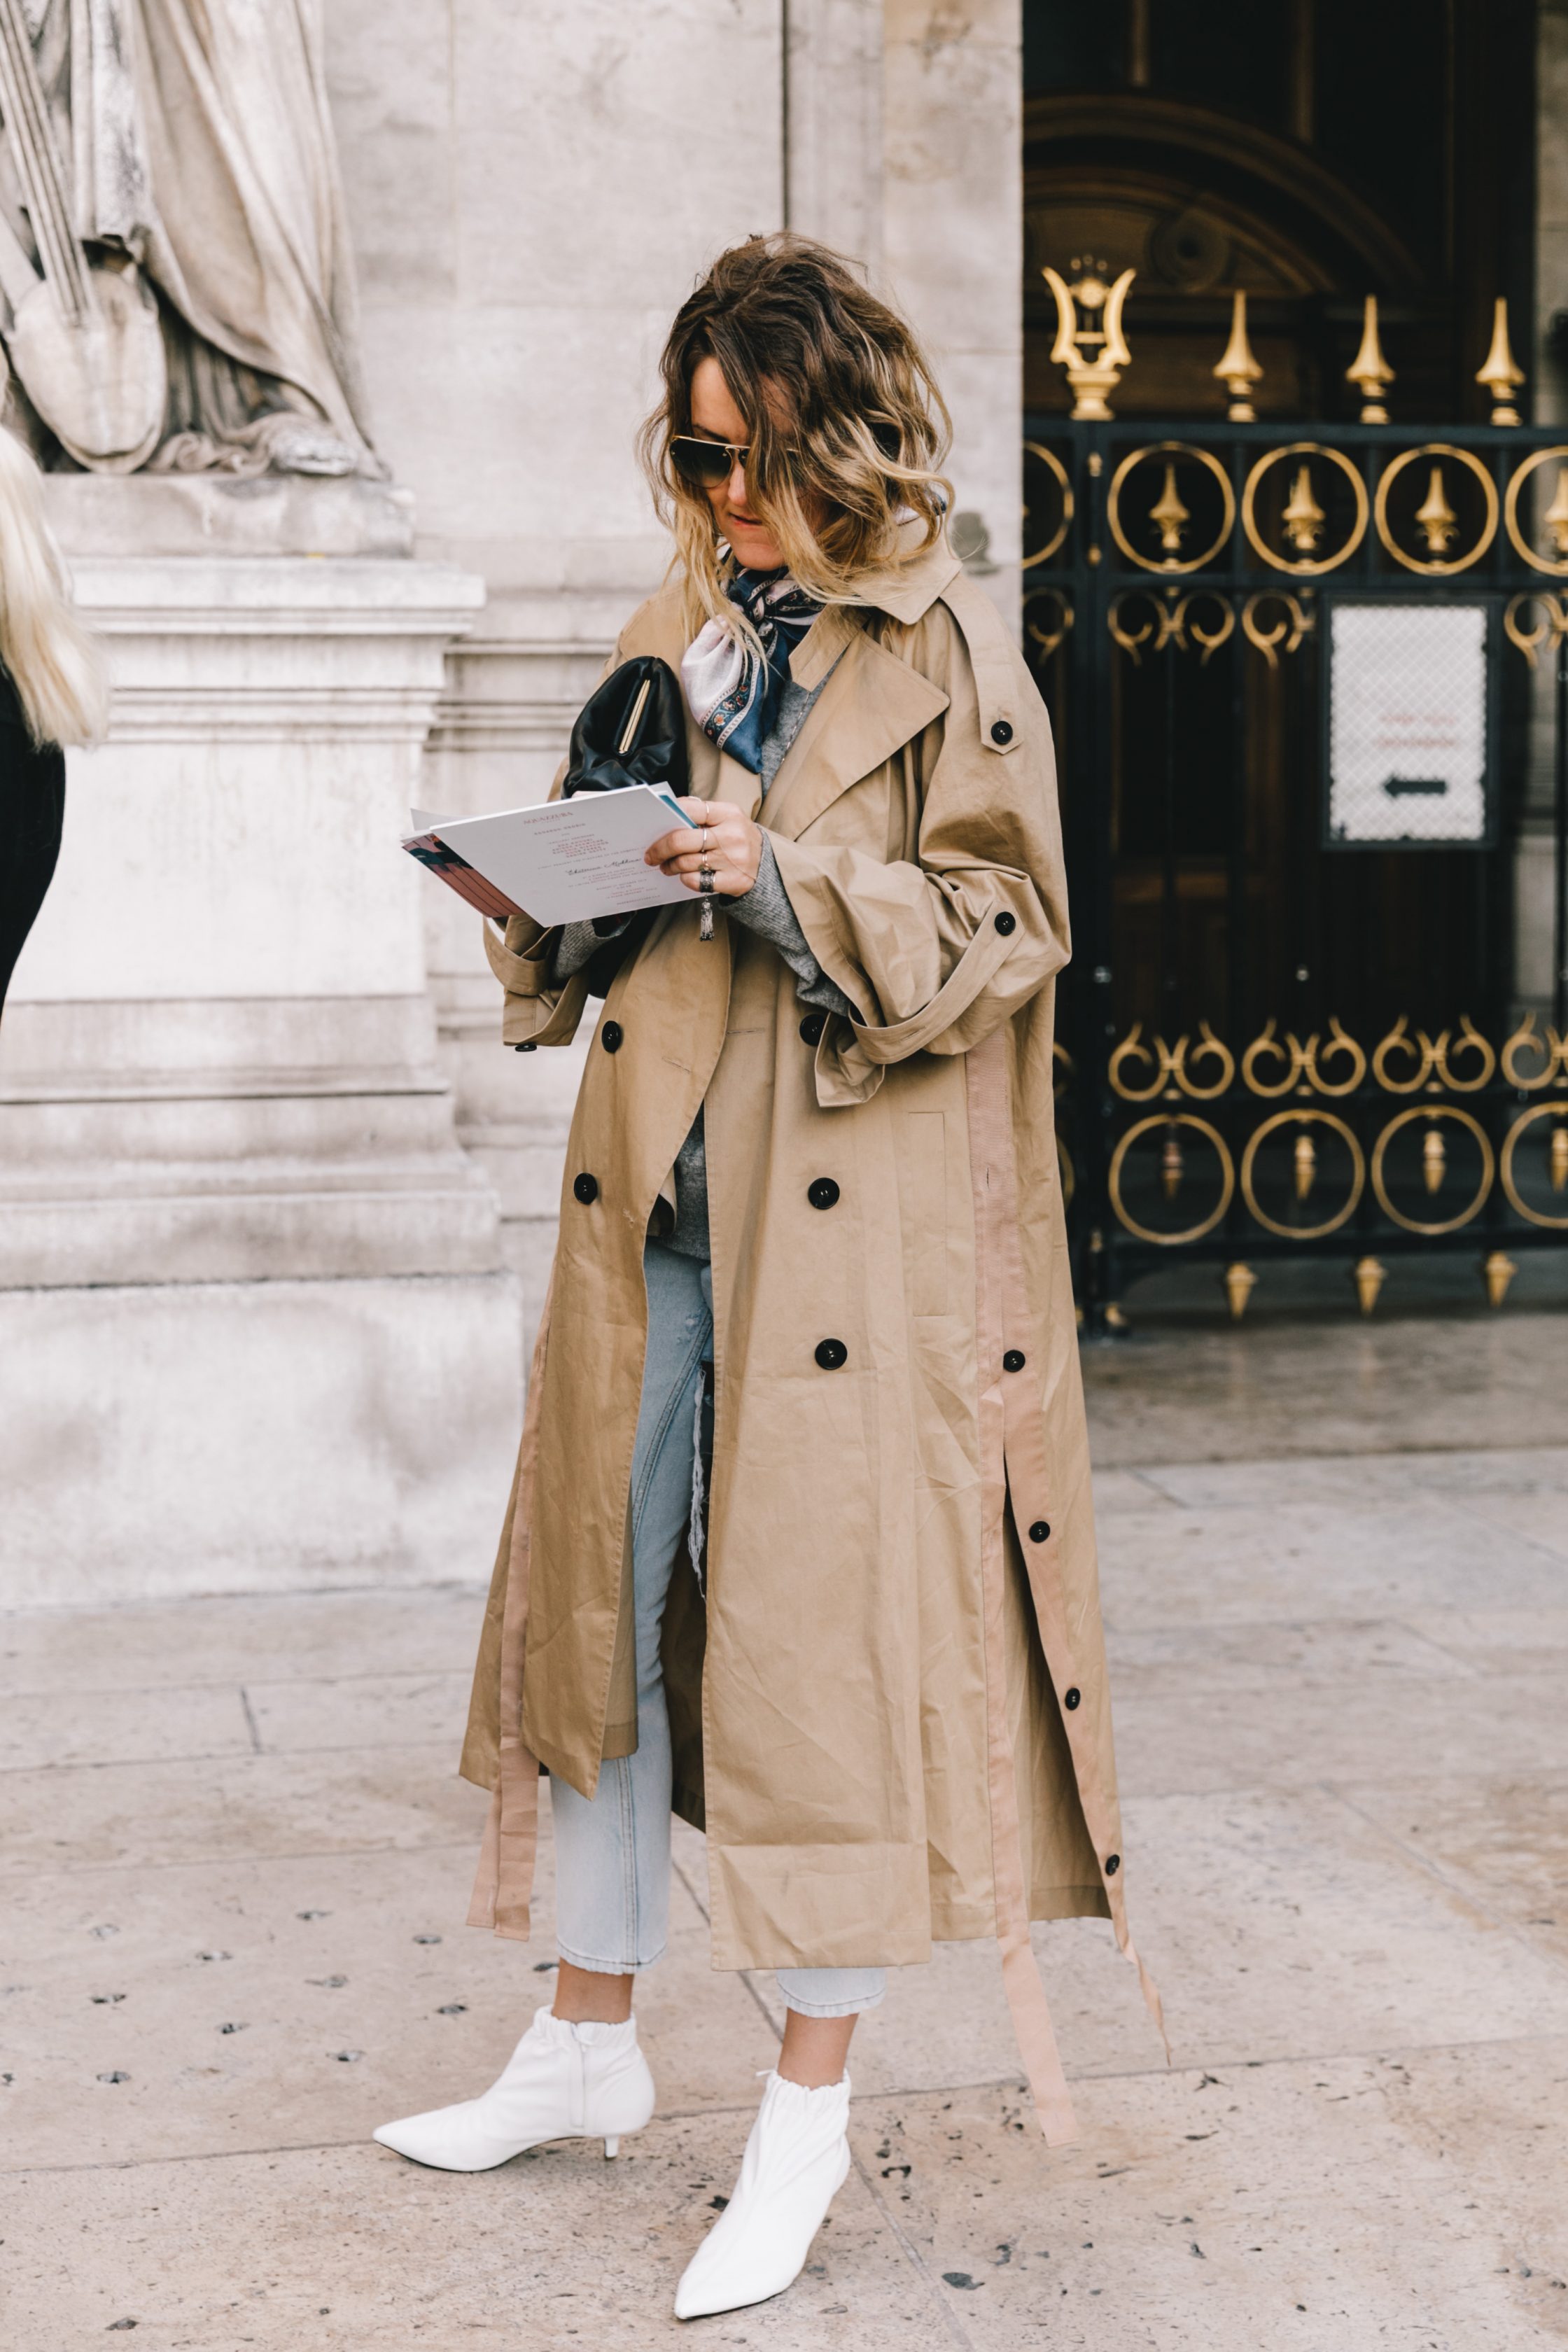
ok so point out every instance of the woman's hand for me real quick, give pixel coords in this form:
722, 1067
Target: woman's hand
726, 840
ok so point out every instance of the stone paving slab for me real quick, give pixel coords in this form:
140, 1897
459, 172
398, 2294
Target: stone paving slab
1345, 1779
227, 1808
1190, 1389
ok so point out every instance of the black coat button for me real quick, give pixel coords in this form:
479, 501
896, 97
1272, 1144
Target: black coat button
812, 1028
1001, 732
610, 1036
1040, 1532
1112, 1864
1013, 1361
1071, 1699
1006, 923
529, 1048
586, 1188
822, 1193
831, 1353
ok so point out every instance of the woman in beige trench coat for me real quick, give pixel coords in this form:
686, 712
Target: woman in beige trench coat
879, 1684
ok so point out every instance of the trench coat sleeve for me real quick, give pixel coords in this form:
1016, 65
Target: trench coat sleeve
934, 951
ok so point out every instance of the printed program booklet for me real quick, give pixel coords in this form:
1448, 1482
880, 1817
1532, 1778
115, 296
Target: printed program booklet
562, 862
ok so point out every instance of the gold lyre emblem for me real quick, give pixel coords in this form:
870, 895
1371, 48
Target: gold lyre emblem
1089, 343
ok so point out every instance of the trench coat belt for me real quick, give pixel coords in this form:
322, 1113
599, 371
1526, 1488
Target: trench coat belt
1013, 1452
503, 1883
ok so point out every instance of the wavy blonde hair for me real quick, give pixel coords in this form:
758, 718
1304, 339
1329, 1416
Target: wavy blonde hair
842, 411
53, 664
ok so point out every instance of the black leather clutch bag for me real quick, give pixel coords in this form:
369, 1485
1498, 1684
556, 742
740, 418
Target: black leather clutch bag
631, 730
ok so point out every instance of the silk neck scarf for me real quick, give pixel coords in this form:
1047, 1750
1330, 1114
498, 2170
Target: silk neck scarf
734, 696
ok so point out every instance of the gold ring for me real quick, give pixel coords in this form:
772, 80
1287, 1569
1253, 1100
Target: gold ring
1511, 515
1227, 1177
1303, 566
1528, 1119
1113, 506
1049, 460
1434, 1111
1439, 565
1307, 1118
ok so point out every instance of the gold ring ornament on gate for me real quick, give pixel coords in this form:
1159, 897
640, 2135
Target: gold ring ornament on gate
1302, 1062
1437, 518
1309, 516
1430, 1057
1048, 639
1278, 1119
1435, 1112
1289, 632
1556, 517
1173, 1065
1170, 514
1131, 641
1553, 1049
1053, 465
1530, 641
1528, 1119
1207, 641
1227, 1177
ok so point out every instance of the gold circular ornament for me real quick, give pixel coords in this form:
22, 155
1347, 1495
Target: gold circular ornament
1302, 1118
1435, 1112
1303, 566
1528, 1119
1169, 563
1053, 465
1227, 1177
1558, 566
1437, 566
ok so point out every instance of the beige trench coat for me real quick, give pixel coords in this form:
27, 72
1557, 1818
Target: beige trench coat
892, 1717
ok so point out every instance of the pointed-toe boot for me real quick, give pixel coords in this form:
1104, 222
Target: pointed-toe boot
562, 2082
796, 2163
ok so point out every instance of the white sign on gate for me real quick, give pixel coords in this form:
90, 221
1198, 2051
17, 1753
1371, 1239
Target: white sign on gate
1408, 723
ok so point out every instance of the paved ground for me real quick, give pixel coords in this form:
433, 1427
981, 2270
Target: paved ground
235, 1863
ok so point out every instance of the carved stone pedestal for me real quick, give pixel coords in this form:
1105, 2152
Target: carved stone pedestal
255, 1328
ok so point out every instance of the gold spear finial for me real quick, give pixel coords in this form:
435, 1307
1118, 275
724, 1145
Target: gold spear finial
1436, 516
1170, 515
1093, 355
1500, 374
1369, 371
1303, 517
1238, 370
1555, 518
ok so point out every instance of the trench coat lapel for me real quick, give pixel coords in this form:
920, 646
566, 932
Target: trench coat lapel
872, 705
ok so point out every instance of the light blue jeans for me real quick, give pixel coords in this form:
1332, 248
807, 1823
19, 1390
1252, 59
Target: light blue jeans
612, 1852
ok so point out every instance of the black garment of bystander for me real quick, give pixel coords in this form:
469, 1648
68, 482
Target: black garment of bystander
32, 812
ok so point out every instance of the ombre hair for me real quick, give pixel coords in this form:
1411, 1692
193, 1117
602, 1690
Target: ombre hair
842, 413
53, 662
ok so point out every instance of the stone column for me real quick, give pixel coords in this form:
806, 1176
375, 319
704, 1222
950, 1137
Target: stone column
255, 1324
953, 231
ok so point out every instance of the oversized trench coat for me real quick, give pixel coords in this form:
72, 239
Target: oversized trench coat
892, 1715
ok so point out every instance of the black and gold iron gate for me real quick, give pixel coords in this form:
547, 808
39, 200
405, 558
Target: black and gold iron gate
1310, 691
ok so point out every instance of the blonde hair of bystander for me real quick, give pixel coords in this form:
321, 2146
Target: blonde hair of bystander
53, 660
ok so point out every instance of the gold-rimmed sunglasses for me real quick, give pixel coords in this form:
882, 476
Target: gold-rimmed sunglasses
706, 465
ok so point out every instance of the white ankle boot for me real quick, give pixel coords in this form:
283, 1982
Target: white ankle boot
796, 2163
562, 2082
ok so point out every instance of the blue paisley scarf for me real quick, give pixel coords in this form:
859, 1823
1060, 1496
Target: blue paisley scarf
734, 696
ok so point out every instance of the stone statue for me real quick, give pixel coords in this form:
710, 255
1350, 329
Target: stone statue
173, 255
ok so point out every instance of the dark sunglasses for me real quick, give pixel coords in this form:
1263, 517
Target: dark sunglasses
706, 465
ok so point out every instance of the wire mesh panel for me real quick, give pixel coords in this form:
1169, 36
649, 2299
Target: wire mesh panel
1408, 737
